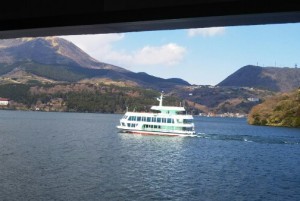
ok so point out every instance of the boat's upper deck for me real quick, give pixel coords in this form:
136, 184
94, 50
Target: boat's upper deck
146, 114
168, 109
164, 111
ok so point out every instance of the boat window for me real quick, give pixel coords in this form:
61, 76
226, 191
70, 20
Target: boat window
125, 116
134, 118
158, 119
143, 118
138, 118
169, 120
172, 121
155, 126
164, 120
123, 124
130, 118
187, 121
153, 119
148, 119
131, 125
187, 129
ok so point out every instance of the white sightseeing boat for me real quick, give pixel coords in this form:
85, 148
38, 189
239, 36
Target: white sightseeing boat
164, 120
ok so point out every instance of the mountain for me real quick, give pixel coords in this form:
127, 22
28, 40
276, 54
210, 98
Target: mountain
60, 60
270, 78
280, 110
49, 51
218, 100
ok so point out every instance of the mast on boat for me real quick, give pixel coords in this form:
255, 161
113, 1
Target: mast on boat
160, 99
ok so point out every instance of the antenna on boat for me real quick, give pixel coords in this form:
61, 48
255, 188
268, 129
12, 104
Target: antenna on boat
161, 98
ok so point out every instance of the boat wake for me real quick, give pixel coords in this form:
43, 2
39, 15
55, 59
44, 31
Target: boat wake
250, 138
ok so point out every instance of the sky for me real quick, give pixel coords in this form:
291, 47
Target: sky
203, 56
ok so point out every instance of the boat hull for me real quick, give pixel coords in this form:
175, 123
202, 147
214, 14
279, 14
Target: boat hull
171, 134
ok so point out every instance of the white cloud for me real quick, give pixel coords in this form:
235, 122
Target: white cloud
168, 54
94, 44
206, 32
100, 47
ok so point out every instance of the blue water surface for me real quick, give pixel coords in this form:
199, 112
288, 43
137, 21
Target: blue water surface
81, 156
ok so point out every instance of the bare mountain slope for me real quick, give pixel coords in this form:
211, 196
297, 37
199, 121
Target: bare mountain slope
270, 78
58, 59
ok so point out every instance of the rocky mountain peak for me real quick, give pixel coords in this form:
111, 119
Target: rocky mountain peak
49, 50
60, 60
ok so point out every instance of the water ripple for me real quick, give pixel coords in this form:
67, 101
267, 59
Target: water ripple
73, 156
251, 138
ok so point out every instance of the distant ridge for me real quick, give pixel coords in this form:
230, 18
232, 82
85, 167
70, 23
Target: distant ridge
270, 78
60, 60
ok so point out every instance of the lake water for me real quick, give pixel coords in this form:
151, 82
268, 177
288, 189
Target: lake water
77, 156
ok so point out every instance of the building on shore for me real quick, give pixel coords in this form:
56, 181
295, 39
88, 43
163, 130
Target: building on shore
4, 101
253, 99
227, 114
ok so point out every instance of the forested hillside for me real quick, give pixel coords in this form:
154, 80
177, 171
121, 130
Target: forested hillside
280, 110
81, 97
